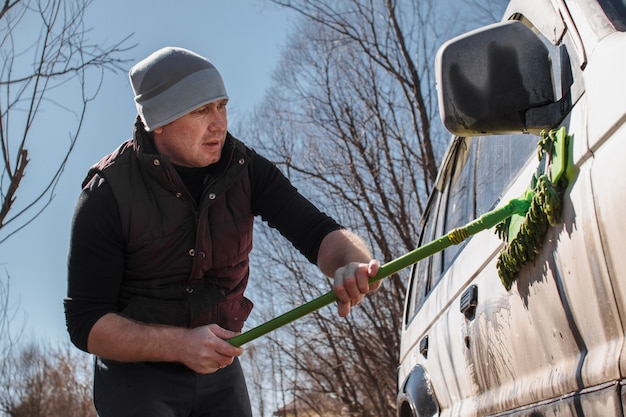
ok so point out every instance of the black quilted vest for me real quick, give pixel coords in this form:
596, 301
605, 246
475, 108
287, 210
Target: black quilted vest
185, 264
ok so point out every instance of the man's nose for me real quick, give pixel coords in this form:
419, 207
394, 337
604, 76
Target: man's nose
218, 122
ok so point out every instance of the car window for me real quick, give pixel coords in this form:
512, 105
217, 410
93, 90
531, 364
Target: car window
481, 171
498, 160
459, 202
616, 12
419, 282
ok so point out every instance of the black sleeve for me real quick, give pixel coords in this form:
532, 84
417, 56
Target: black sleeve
280, 204
96, 261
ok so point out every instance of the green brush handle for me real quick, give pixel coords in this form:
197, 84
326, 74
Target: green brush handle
456, 236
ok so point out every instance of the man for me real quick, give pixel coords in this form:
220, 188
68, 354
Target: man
158, 262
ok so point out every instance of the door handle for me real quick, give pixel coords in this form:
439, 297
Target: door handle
424, 346
469, 301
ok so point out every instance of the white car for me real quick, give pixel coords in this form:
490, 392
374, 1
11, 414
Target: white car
551, 342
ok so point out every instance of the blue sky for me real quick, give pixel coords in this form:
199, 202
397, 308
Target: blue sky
242, 38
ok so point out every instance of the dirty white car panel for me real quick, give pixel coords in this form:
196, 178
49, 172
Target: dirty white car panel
552, 345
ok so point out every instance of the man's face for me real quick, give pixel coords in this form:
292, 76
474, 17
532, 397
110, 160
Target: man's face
196, 139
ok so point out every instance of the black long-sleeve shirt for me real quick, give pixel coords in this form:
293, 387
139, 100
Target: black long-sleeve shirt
96, 258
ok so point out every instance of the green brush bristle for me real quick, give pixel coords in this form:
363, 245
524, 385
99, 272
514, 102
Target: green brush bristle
524, 238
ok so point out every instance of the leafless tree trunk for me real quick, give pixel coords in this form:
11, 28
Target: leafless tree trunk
352, 119
43, 46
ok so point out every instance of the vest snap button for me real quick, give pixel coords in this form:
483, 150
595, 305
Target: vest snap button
192, 252
212, 196
156, 162
189, 290
202, 254
242, 161
178, 195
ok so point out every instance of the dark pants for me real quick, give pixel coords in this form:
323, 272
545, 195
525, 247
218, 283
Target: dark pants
168, 390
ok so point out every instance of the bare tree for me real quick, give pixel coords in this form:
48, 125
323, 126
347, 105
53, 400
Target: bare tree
350, 122
352, 119
43, 46
47, 382
10, 329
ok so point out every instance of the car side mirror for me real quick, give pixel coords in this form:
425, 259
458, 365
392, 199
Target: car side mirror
488, 80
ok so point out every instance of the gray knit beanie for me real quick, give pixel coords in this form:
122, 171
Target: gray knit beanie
172, 82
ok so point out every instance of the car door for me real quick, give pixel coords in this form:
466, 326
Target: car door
477, 174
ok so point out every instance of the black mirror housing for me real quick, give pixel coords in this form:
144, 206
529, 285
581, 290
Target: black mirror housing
489, 78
